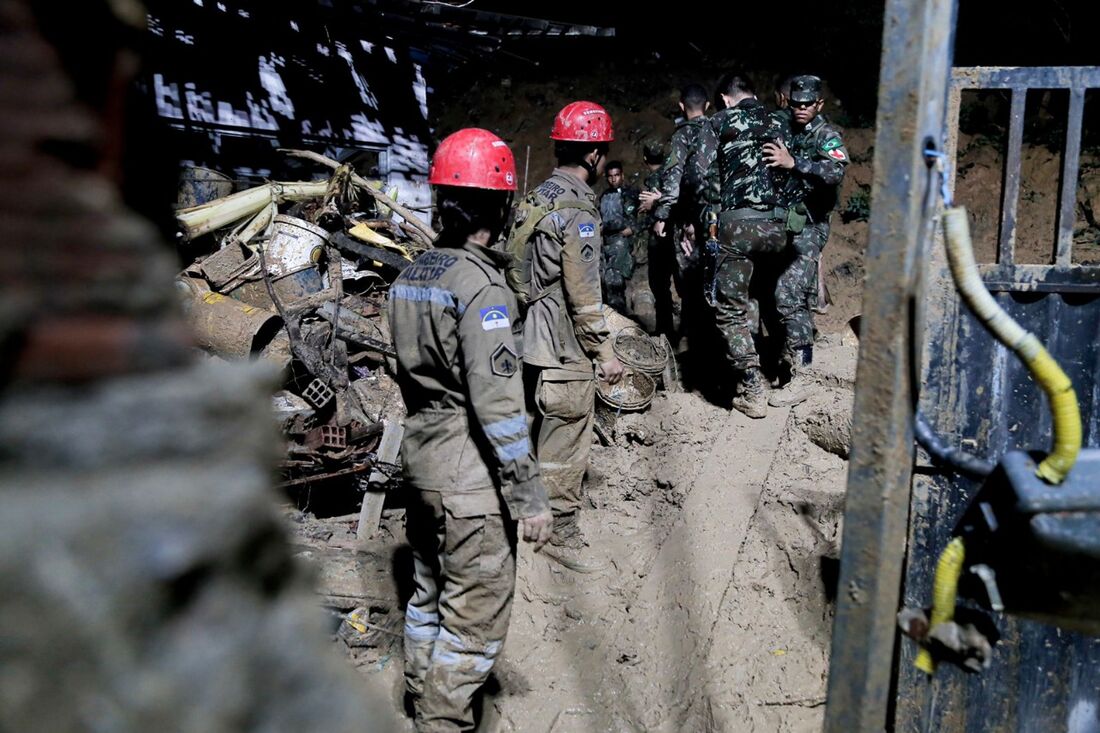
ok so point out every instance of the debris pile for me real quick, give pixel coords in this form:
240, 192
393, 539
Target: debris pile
296, 275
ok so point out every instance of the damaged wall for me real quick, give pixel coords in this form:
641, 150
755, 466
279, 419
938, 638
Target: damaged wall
234, 80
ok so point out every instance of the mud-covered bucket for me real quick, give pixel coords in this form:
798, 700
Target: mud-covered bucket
200, 185
633, 392
294, 245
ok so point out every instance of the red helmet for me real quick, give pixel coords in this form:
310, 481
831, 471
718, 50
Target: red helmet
583, 122
473, 158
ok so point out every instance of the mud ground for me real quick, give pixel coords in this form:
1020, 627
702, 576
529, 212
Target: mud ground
716, 538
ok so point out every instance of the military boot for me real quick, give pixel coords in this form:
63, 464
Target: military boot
752, 394
568, 548
799, 387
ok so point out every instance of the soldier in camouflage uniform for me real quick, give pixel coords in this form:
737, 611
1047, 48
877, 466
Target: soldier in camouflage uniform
683, 205
618, 209
468, 461
816, 159
566, 336
653, 253
751, 225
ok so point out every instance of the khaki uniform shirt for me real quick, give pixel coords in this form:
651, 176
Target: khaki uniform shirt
458, 368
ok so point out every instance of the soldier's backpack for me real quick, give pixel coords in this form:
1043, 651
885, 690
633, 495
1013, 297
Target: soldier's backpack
526, 218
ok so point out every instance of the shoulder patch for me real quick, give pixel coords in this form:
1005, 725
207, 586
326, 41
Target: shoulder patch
837, 154
587, 230
503, 362
588, 252
831, 144
494, 317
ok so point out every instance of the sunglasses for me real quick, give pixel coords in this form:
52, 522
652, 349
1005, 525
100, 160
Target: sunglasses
804, 104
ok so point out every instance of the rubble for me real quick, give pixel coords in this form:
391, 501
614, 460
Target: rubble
296, 274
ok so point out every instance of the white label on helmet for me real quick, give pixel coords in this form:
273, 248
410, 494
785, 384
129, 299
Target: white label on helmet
499, 144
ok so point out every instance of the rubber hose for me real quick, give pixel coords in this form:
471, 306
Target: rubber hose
1058, 387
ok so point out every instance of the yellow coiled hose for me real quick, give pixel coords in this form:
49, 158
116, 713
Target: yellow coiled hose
1063, 401
945, 584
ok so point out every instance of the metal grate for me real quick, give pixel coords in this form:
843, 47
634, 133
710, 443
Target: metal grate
1007, 275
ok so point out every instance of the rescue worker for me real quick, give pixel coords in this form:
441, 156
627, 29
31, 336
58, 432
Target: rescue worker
751, 225
565, 331
473, 481
618, 207
816, 160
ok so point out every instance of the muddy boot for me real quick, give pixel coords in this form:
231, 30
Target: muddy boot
752, 394
568, 548
799, 387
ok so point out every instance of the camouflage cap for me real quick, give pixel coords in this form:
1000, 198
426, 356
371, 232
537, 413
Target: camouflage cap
805, 88
653, 151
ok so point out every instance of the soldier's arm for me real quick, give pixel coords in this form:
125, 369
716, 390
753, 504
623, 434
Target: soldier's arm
630, 208
671, 175
827, 163
712, 182
490, 362
580, 277
706, 157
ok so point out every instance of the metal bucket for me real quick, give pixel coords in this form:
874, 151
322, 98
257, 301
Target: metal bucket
228, 327
288, 288
294, 244
199, 185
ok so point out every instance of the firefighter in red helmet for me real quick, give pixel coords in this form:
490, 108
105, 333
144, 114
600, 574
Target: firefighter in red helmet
566, 337
472, 478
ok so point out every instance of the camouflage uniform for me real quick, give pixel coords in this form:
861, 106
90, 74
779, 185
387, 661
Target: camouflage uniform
656, 261
470, 471
820, 158
564, 331
618, 212
683, 202
751, 223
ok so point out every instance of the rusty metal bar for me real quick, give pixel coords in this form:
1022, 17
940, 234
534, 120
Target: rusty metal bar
916, 67
1006, 248
1071, 161
1012, 77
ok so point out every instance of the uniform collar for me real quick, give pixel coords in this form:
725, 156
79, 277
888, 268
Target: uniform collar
495, 258
584, 187
748, 102
815, 124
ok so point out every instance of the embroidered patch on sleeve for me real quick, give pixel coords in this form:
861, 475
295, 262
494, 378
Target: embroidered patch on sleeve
494, 317
587, 231
503, 362
588, 252
837, 154
831, 143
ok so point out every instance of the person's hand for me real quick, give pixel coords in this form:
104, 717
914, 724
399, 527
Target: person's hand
776, 155
627, 232
648, 199
659, 228
686, 246
611, 371
537, 529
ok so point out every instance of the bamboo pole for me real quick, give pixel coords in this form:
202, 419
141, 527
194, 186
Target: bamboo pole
363, 183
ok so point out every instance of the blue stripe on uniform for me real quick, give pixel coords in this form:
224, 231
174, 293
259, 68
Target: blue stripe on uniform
504, 428
421, 294
514, 451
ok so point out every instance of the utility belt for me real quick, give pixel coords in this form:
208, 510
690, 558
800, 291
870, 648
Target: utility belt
776, 214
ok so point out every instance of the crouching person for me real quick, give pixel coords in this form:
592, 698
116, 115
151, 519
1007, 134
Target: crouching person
473, 481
